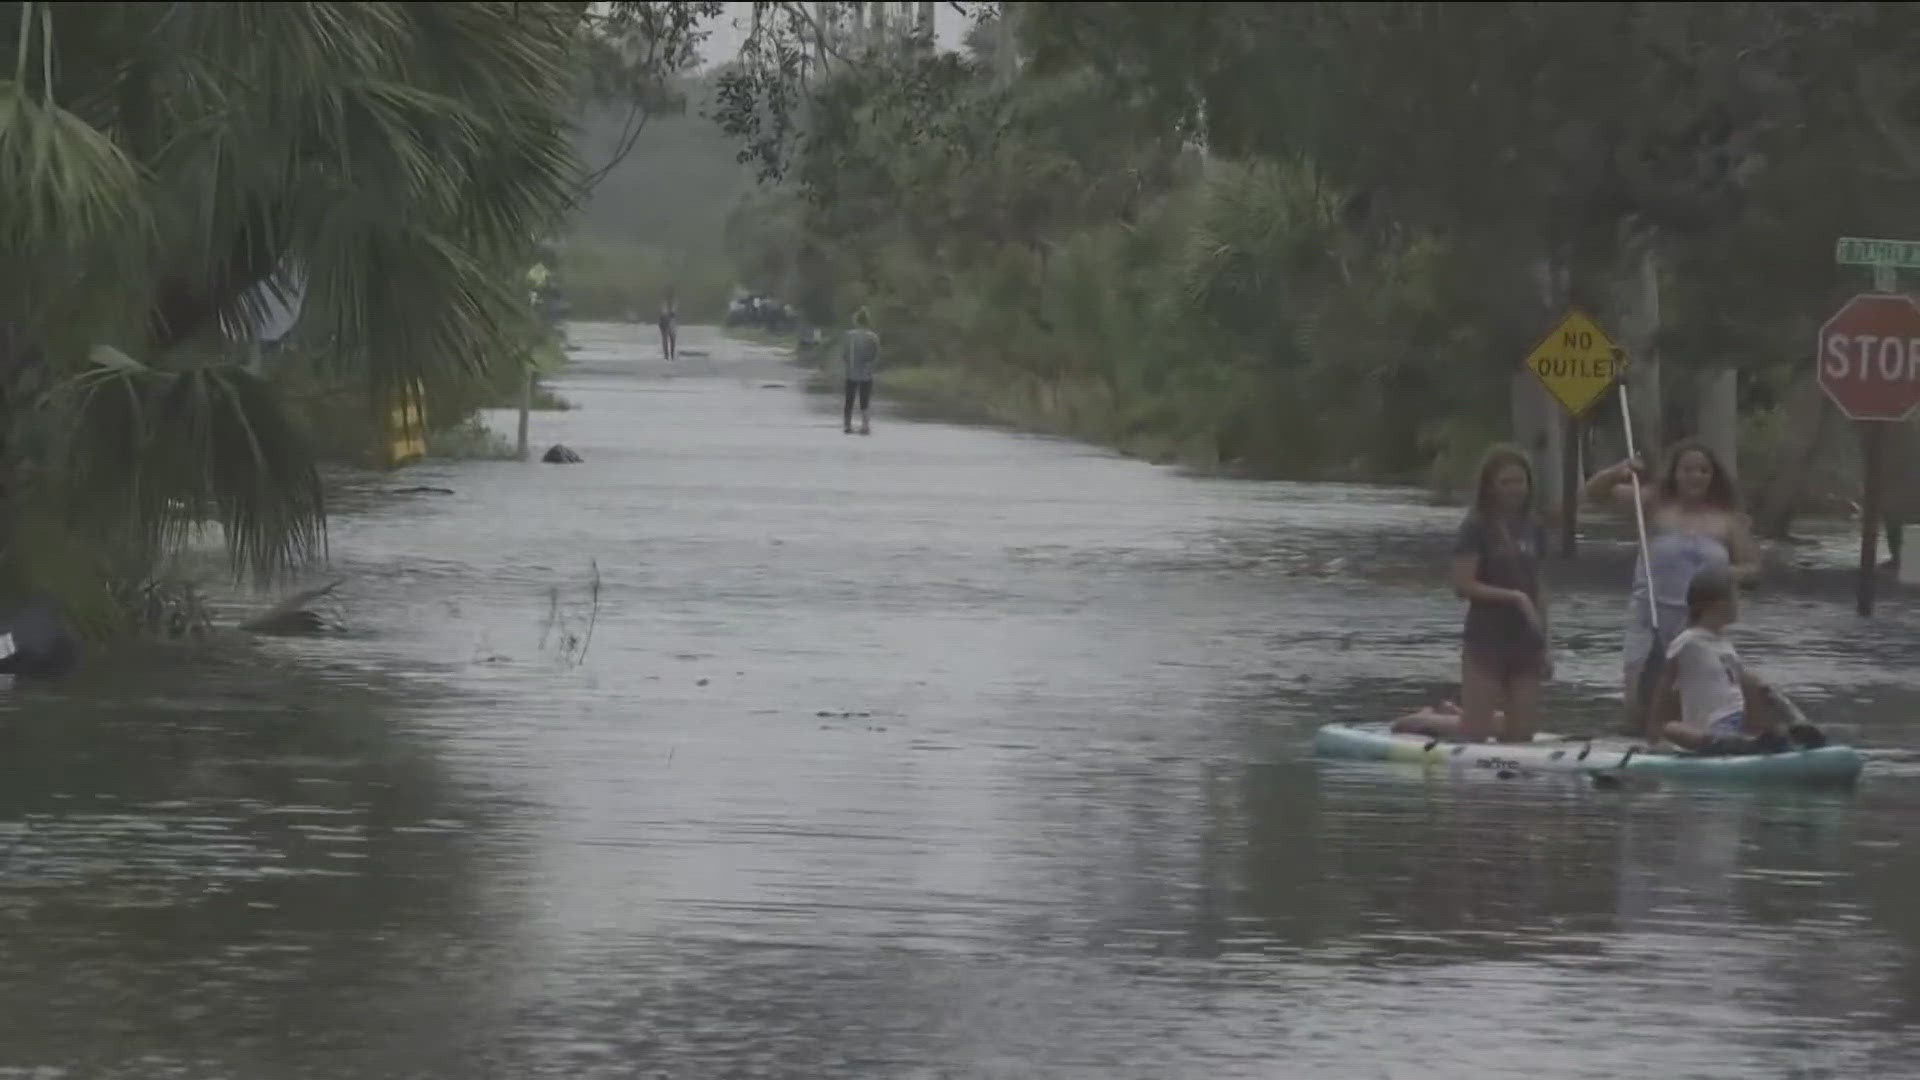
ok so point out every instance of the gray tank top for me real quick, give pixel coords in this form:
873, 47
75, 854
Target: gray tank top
1676, 558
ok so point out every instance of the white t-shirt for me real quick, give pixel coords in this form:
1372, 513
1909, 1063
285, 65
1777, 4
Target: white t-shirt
1707, 672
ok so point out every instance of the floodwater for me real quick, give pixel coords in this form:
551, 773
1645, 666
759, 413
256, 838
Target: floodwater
746, 748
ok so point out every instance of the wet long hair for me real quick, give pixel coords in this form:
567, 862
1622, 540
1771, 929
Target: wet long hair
1721, 494
1486, 505
1498, 457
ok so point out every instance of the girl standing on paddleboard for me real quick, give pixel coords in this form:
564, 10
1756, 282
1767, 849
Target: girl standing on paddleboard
1503, 646
1694, 525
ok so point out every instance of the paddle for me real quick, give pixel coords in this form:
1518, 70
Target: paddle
1656, 656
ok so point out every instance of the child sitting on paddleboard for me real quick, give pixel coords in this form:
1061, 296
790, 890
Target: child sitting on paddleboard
1722, 707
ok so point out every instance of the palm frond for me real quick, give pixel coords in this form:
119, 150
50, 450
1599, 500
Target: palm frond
156, 454
392, 162
68, 188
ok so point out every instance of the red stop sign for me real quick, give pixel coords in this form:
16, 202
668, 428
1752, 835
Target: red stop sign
1869, 358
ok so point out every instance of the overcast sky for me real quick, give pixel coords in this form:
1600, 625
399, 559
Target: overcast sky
949, 26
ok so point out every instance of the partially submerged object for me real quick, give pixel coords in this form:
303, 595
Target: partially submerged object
36, 643
294, 615
1825, 766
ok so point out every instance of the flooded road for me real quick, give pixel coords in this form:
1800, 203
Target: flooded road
746, 748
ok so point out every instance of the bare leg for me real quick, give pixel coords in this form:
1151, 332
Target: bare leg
1435, 723
1684, 737
1440, 721
1480, 694
1522, 712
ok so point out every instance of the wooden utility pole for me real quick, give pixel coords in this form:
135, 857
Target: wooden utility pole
1006, 54
526, 407
826, 19
1570, 476
1873, 445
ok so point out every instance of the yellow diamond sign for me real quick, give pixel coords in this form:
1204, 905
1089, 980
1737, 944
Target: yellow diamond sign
1577, 362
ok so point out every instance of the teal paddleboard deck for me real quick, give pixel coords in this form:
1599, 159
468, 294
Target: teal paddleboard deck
1829, 766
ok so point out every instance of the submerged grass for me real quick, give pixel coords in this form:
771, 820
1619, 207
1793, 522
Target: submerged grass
470, 440
1209, 334
1088, 412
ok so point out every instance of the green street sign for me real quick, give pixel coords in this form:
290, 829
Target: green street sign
1854, 251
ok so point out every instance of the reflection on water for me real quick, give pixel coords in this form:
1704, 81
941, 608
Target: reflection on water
201, 862
941, 753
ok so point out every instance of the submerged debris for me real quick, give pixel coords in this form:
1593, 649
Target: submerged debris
37, 642
293, 615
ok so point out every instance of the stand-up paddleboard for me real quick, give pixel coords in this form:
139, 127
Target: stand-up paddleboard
1826, 766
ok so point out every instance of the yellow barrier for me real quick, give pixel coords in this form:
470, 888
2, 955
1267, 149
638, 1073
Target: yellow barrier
407, 427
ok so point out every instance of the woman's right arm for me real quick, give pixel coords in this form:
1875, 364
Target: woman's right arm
1468, 586
1614, 484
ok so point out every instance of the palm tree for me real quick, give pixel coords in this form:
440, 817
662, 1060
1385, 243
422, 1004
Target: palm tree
166, 168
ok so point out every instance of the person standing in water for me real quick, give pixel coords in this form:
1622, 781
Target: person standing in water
1694, 524
1503, 646
669, 327
863, 356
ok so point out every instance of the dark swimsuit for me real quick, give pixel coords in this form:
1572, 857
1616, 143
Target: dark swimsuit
1497, 637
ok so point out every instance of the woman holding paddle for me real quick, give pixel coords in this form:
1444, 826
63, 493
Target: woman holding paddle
1693, 523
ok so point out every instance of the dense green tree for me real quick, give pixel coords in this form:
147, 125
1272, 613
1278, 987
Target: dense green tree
1398, 197
173, 168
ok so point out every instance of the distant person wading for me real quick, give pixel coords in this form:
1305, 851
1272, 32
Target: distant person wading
669, 328
863, 355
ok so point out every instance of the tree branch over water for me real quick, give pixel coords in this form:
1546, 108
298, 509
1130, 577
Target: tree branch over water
633, 53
